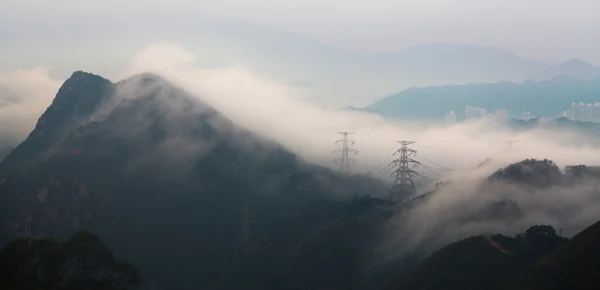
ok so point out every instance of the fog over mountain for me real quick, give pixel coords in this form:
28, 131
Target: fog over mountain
157, 145
194, 130
257, 101
22, 102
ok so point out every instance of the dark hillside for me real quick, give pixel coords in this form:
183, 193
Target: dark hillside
181, 191
575, 265
480, 262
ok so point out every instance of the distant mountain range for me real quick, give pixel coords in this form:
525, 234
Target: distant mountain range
347, 77
340, 77
571, 68
335, 76
547, 98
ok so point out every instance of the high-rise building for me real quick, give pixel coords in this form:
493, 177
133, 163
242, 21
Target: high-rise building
589, 112
474, 113
499, 115
580, 112
584, 112
526, 116
450, 118
572, 111
596, 113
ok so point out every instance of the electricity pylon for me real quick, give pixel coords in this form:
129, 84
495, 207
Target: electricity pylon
510, 142
403, 185
246, 243
344, 160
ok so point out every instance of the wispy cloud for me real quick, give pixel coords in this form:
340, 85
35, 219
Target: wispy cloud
24, 96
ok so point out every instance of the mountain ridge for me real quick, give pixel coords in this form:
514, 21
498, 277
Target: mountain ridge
74, 101
569, 68
151, 163
153, 169
433, 102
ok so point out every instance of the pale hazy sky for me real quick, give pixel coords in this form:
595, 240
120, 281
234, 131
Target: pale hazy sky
542, 29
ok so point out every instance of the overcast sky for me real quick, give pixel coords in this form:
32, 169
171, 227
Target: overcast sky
542, 29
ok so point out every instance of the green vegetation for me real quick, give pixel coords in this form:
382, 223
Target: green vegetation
480, 262
82, 262
574, 265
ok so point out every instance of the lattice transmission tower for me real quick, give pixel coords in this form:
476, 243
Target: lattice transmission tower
246, 243
404, 185
510, 142
344, 161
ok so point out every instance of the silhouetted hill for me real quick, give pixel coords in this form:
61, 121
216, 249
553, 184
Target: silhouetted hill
548, 98
480, 262
81, 262
537, 259
575, 265
181, 191
507, 199
4, 152
77, 98
530, 172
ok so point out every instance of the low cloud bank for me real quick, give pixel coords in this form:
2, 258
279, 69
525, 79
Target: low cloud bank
24, 96
447, 152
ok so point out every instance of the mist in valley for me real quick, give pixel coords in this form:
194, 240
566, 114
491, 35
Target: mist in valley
448, 153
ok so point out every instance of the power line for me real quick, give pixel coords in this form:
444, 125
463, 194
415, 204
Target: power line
378, 168
441, 167
386, 171
404, 185
344, 160
431, 169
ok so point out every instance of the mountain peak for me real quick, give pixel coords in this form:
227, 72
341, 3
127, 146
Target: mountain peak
80, 73
81, 77
78, 97
576, 67
575, 63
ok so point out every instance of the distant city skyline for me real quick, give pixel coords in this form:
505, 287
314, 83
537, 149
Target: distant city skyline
579, 111
499, 115
582, 112
450, 118
474, 113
